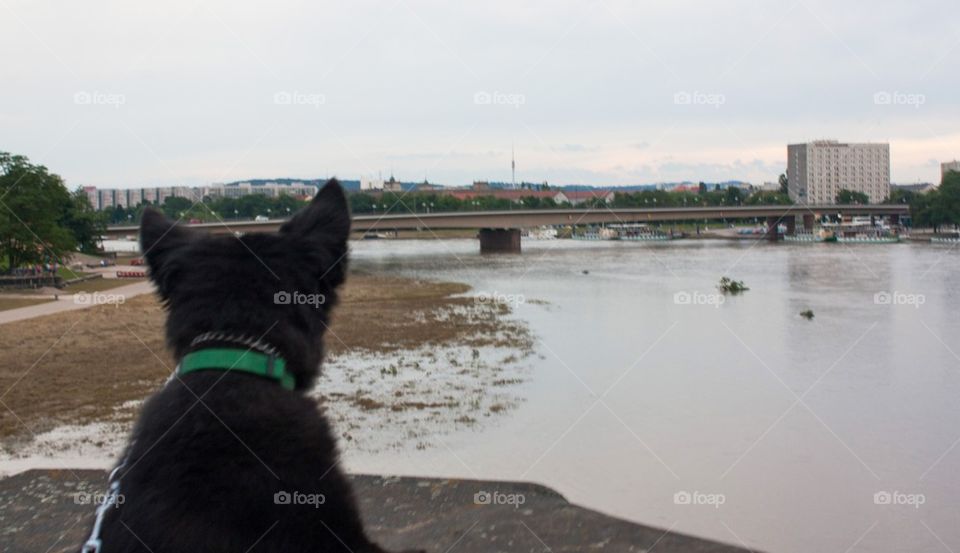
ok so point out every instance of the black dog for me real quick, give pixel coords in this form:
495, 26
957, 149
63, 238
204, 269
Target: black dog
224, 459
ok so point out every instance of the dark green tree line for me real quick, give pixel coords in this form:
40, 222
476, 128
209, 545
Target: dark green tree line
40, 220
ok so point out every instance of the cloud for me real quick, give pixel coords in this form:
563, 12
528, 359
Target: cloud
398, 82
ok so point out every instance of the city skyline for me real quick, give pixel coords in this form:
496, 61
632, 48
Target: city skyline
606, 93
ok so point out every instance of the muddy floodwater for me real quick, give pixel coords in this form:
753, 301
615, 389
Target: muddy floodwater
652, 398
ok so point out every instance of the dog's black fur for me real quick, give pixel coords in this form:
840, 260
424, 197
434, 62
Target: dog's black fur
212, 448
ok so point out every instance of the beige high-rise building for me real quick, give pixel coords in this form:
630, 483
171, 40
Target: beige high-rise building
817, 171
949, 166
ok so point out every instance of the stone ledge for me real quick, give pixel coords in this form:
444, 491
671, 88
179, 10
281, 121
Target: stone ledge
39, 512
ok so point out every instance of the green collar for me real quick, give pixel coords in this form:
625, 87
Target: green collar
235, 359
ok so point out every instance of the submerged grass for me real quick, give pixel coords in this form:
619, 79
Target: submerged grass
92, 364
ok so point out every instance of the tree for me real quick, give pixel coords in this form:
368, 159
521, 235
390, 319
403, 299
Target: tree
85, 223
173, 206
768, 197
900, 196
34, 204
850, 197
949, 196
733, 196
784, 184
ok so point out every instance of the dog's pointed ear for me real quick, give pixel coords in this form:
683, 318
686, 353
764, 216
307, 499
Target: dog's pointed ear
159, 238
327, 218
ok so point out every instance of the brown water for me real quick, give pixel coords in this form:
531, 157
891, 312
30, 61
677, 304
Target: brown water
781, 429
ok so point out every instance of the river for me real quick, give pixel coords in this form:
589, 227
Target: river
654, 399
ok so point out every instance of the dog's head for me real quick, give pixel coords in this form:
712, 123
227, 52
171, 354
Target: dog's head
278, 288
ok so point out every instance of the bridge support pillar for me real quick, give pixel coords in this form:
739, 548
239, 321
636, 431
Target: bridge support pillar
808, 221
772, 223
496, 240
790, 221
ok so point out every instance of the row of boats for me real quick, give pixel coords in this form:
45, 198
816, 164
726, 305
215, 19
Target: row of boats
844, 233
626, 233
857, 236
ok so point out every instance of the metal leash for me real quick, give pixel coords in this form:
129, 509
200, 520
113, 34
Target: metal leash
94, 543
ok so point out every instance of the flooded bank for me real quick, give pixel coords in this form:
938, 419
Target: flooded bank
739, 420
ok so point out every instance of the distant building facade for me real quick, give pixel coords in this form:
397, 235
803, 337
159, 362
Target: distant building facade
578, 197
949, 166
369, 184
919, 188
108, 198
392, 185
270, 189
515, 196
817, 171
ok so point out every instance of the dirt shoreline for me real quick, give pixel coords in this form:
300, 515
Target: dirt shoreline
414, 349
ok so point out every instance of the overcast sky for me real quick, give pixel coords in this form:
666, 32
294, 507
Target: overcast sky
609, 92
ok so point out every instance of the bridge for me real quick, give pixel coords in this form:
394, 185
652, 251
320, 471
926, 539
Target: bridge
499, 231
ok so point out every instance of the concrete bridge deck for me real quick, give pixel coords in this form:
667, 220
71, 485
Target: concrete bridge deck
40, 511
503, 226
540, 217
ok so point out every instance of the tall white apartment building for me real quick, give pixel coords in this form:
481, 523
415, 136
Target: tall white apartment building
270, 189
949, 166
107, 198
817, 171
